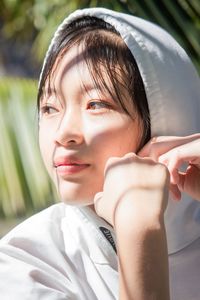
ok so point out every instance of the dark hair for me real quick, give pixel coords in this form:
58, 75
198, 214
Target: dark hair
105, 48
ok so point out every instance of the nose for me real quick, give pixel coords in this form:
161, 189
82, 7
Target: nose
70, 130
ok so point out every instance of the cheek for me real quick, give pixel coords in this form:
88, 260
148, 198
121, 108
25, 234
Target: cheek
113, 137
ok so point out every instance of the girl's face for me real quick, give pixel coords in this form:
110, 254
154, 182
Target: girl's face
80, 128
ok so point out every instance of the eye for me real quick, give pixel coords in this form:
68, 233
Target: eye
94, 105
48, 110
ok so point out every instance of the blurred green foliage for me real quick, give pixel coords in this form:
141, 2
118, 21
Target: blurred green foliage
24, 184
36, 20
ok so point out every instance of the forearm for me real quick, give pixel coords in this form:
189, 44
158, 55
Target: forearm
142, 257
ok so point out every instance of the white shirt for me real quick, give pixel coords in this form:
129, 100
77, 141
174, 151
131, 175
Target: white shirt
59, 253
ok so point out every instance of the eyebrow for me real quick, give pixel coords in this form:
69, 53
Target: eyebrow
85, 88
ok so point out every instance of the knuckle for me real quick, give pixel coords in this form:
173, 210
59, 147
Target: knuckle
130, 157
110, 163
154, 139
111, 160
130, 154
177, 153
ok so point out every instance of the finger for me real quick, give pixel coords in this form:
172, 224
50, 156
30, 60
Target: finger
188, 153
181, 182
189, 182
157, 146
175, 192
109, 163
173, 167
162, 144
147, 150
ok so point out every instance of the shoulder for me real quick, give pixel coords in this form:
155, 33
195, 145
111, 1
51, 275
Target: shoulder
33, 257
38, 227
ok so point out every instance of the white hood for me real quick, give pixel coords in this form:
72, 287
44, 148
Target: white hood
173, 92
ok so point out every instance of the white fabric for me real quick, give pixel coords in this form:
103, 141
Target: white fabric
60, 254
173, 92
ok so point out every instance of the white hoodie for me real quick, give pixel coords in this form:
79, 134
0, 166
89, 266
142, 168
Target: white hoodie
79, 263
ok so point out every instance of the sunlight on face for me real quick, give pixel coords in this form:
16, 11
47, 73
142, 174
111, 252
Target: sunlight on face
80, 128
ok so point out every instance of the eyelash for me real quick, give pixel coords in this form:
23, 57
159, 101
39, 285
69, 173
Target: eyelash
45, 109
102, 104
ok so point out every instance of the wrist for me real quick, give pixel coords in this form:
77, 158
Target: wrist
132, 215
142, 255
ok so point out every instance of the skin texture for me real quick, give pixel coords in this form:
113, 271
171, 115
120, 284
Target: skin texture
136, 208
173, 152
83, 123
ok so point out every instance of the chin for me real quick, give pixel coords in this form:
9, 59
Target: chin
75, 194
76, 200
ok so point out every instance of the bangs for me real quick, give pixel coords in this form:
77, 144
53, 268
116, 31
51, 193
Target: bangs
111, 64
104, 54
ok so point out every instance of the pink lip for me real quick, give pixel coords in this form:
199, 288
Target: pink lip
68, 166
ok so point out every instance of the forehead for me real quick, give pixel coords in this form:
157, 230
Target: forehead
69, 61
72, 68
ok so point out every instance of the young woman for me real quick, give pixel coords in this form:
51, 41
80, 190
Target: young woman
109, 83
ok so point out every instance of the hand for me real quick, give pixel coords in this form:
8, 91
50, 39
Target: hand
133, 201
135, 187
174, 152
